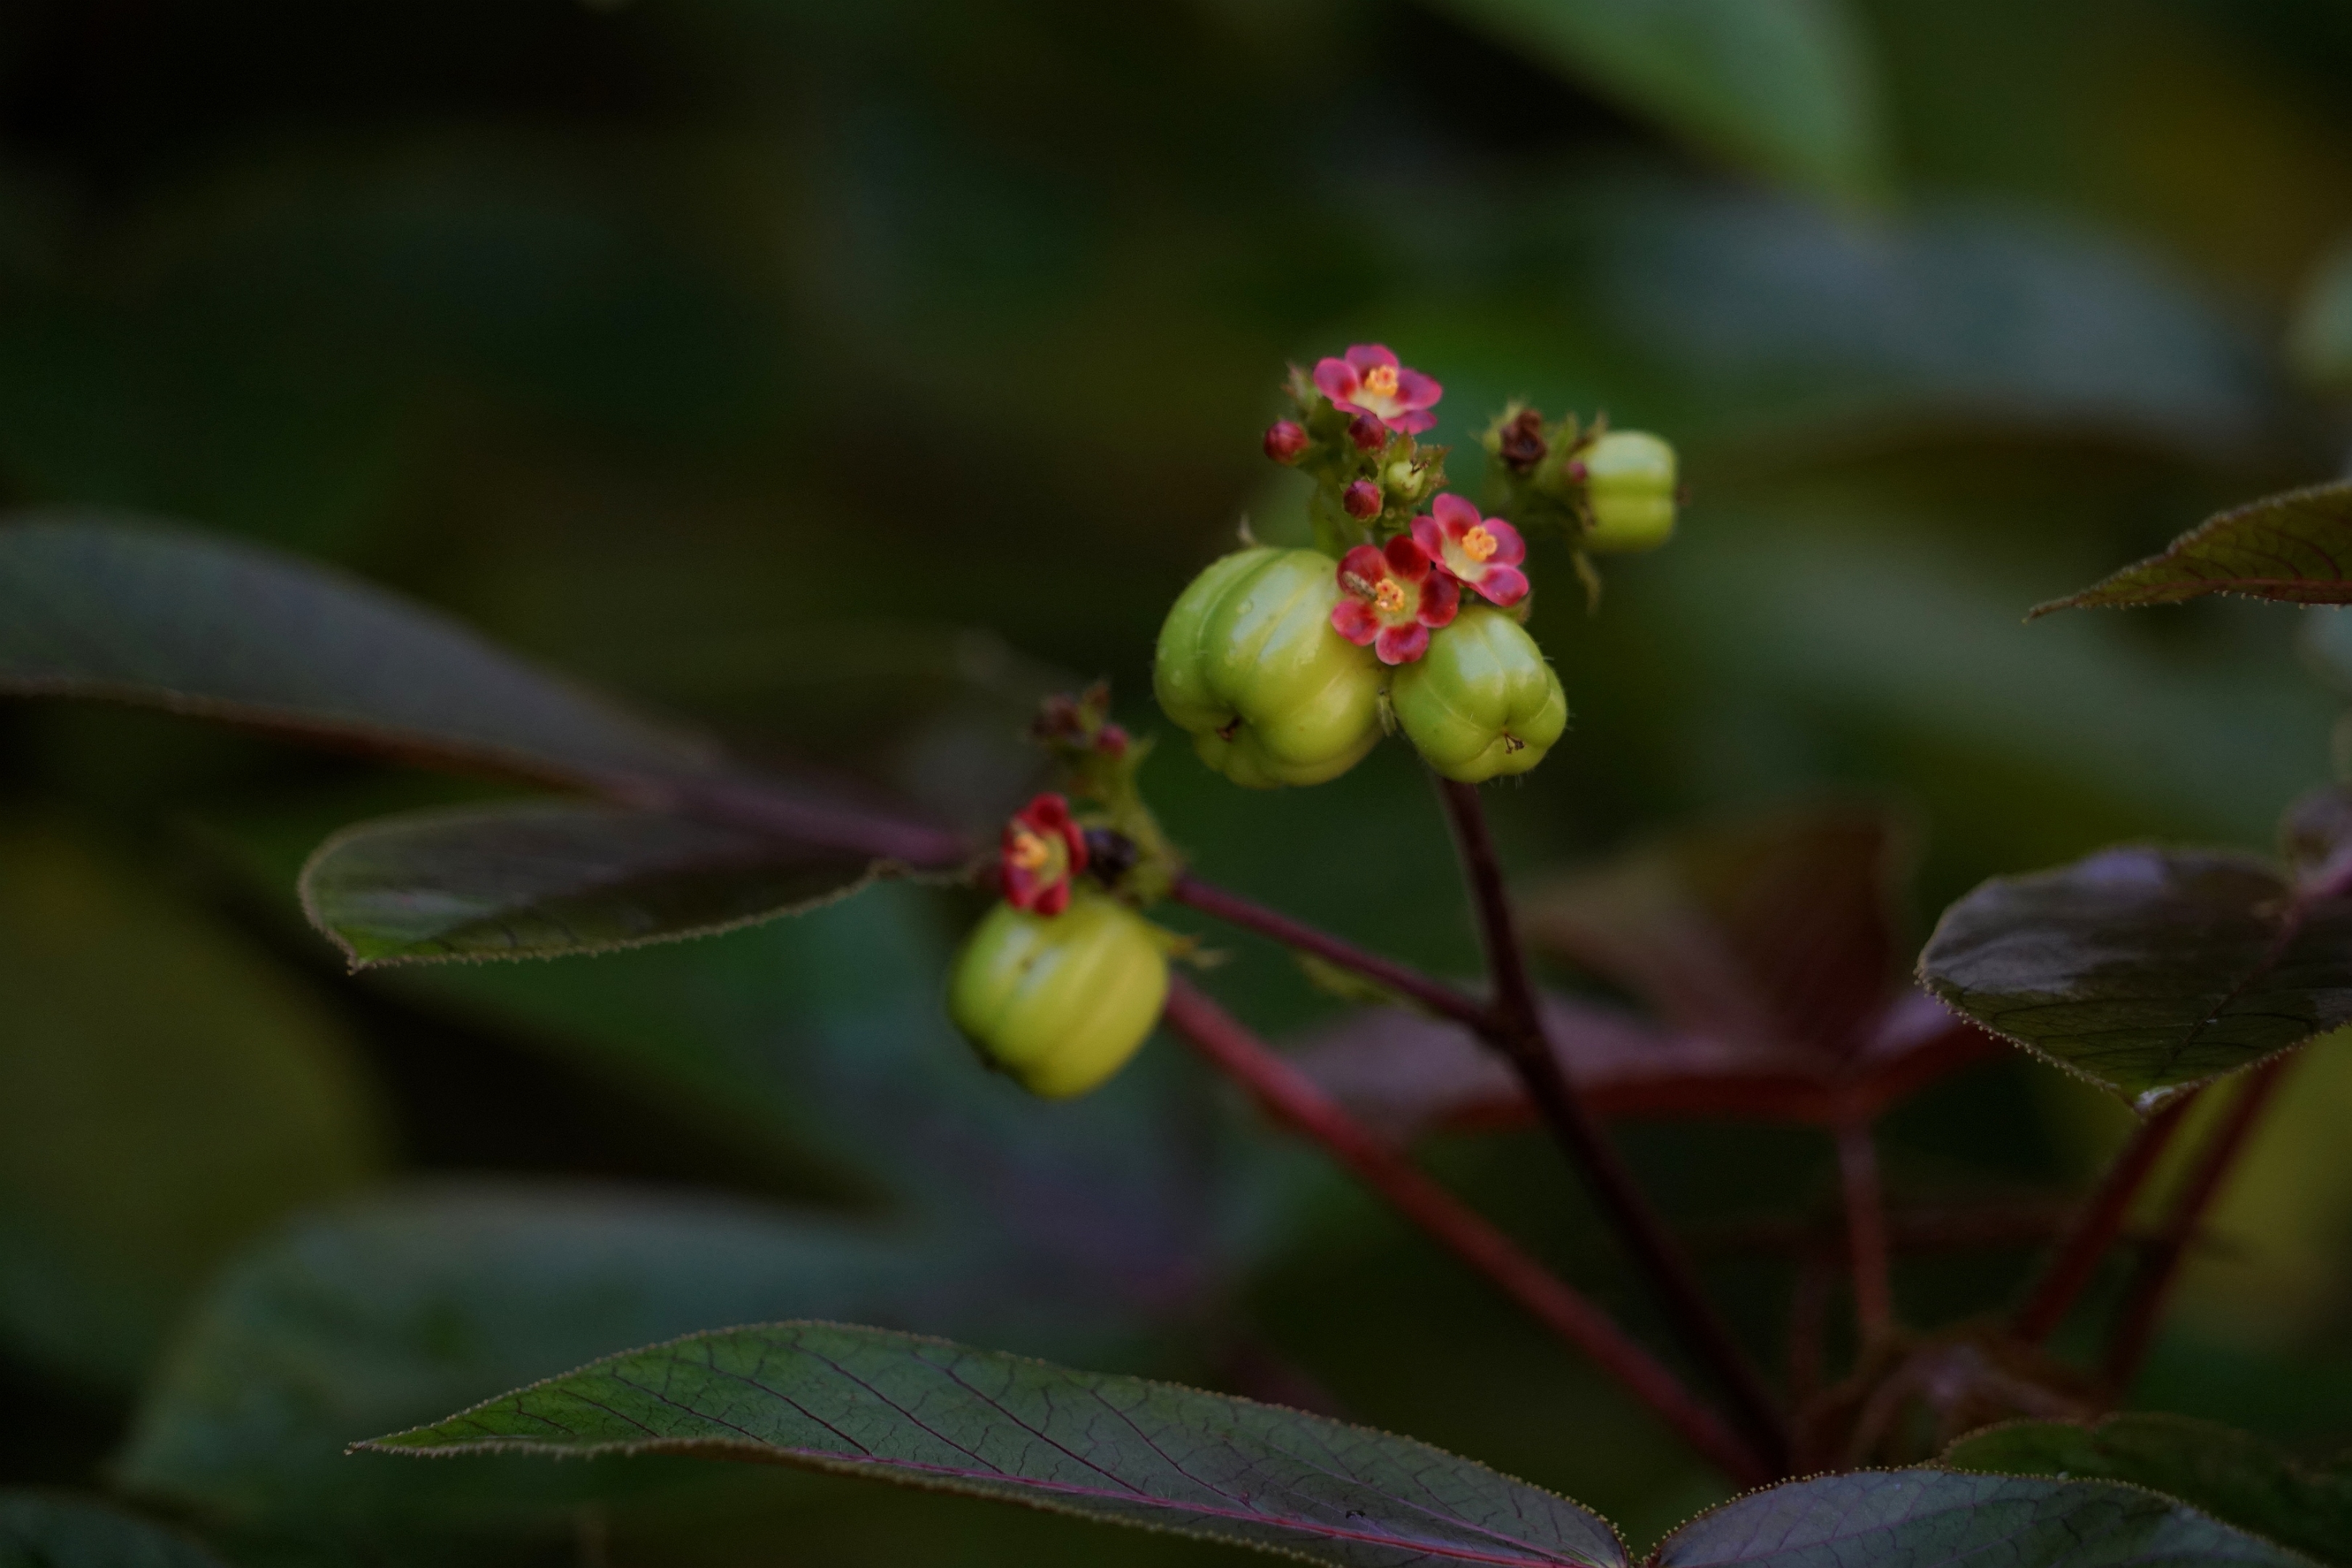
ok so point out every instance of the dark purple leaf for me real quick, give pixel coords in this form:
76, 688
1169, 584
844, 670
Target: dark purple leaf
1123, 1450
539, 879
2144, 970
1935, 1518
1408, 1074
1778, 933
2296, 547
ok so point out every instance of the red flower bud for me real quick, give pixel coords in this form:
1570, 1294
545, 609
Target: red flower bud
1362, 499
1284, 439
1112, 740
1367, 432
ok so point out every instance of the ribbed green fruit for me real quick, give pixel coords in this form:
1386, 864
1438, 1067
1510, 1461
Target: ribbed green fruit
1060, 1002
1480, 702
1249, 665
1630, 486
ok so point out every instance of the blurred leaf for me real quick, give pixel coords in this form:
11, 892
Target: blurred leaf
2146, 970
2233, 1476
1776, 933
392, 1308
536, 879
1409, 1075
204, 626
164, 1091
44, 1530
2319, 340
927, 1413
1911, 1518
2291, 547
1784, 87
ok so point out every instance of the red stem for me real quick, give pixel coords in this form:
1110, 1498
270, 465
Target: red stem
1294, 1099
2159, 1265
1865, 1228
2079, 1252
1233, 910
1517, 1030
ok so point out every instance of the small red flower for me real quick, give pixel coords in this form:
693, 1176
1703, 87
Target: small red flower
1393, 598
1361, 500
1369, 381
1042, 850
1480, 552
1284, 440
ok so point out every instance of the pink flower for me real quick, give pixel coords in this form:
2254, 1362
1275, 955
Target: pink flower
1042, 850
1393, 598
1481, 552
1369, 382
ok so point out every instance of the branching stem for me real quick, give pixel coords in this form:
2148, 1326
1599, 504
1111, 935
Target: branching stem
1518, 1031
2076, 1258
1295, 1101
2160, 1264
1235, 911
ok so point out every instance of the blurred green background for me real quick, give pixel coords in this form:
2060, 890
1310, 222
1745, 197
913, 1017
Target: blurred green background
846, 376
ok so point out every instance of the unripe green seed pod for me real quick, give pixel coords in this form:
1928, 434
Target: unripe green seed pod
1060, 1002
1249, 665
1630, 486
1480, 702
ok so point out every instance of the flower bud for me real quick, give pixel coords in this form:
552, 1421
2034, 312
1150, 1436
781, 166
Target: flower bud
1248, 663
1361, 500
1629, 486
1368, 433
1061, 1004
1482, 703
1284, 440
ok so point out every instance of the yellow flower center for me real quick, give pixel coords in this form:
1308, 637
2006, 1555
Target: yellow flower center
1478, 544
1381, 381
1029, 850
1388, 598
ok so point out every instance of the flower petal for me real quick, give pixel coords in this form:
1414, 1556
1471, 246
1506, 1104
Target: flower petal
1365, 356
1440, 598
1336, 380
1403, 645
1503, 585
1457, 516
1056, 899
1432, 539
1356, 621
1413, 422
1365, 563
1510, 548
1406, 559
1416, 390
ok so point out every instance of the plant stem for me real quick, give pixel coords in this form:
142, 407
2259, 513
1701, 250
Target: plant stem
2085, 1246
2159, 1265
1517, 1030
1866, 1230
1293, 1098
1233, 910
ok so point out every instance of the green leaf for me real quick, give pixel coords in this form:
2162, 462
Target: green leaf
41, 1530
145, 613
866, 1402
1786, 87
2146, 970
2233, 1476
1931, 1519
534, 879
2295, 548
392, 1308
165, 1092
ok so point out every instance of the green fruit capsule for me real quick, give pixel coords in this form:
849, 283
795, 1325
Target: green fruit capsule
1060, 1002
1630, 487
1249, 665
1480, 702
